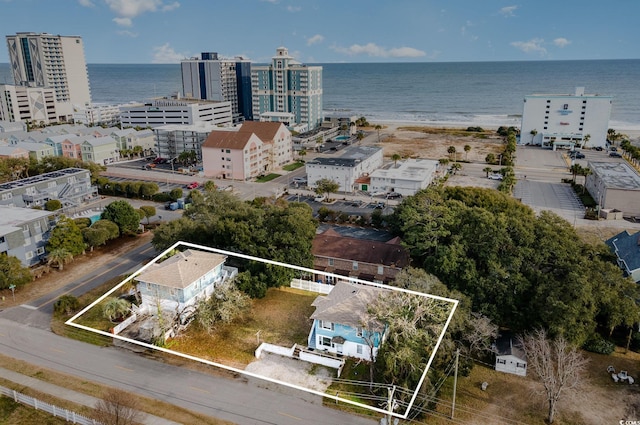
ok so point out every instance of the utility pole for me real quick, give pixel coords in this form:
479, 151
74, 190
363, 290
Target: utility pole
391, 390
455, 383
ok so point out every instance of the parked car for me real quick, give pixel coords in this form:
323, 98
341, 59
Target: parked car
496, 176
319, 198
300, 180
599, 148
192, 185
394, 195
613, 148
615, 154
576, 155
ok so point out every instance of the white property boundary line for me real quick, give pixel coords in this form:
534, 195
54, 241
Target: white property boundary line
71, 322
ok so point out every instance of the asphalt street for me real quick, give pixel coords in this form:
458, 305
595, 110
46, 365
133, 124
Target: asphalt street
235, 400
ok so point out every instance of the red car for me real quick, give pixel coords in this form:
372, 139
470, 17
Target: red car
193, 185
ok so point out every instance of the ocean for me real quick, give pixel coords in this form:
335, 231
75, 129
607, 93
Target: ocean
476, 93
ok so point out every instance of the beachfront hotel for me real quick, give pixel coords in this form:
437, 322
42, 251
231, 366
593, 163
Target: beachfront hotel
219, 79
51, 61
287, 91
163, 111
564, 120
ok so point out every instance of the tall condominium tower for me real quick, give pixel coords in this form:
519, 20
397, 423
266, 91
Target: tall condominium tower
287, 87
219, 79
51, 61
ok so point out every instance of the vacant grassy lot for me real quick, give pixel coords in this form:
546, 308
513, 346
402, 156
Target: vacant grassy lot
281, 317
293, 166
267, 178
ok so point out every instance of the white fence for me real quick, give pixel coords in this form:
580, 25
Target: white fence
129, 320
308, 285
56, 411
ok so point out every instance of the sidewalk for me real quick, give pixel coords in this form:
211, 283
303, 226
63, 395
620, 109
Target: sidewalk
69, 395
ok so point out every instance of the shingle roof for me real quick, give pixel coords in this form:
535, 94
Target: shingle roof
182, 269
227, 139
346, 304
333, 245
625, 246
266, 131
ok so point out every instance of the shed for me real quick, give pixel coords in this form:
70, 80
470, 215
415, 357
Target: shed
510, 357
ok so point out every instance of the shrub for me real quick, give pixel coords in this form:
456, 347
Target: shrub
597, 344
161, 197
66, 304
52, 205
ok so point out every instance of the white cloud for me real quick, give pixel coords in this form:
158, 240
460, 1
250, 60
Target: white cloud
123, 22
86, 3
508, 11
318, 38
166, 54
561, 42
127, 33
372, 49
126, 10
534, 45
294, 8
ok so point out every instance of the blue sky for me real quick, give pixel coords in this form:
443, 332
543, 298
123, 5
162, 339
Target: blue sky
321, 31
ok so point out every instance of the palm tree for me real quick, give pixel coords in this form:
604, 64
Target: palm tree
487, 170
59, 257
456, 167
116, 308
585, 140
575, 170
533, 134
452, 151
467, 148
585, 171
378, 127
302, 153
395, 158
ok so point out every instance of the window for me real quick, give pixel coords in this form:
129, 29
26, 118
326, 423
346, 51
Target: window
326, 325
501, 361
325, 341
380, 269
28, 255
565, 106
359, 349
40, 250
359, 332
2, 239
331, 261
521, 365
355, 265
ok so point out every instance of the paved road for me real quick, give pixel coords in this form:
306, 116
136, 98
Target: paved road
234, 400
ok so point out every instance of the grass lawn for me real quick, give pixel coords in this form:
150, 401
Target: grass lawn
293, 166
267, 178
17, 413
281, 317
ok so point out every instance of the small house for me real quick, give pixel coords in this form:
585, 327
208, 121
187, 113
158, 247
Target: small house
341, 324
182, 280
510, 357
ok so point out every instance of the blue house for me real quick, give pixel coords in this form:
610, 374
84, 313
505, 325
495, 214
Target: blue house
342, 325
182, 280
626, 247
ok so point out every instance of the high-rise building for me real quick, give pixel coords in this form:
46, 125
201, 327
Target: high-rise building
221, 80
555, 120
287, 88
51, 61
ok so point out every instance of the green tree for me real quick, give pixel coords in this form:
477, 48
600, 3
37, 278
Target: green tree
52, 205
111, 228
378, 127
176, 193
487, 170
467, 148
490, 158
149, 211
452, 153
302, 153
209, 185
326, 187
227, 304
124, 215
66, 235
395, 158
94, 236
12, 272
147, 190
116, 309
66, 305
533, 134
585, 140
585, 172
456, 167
59, 257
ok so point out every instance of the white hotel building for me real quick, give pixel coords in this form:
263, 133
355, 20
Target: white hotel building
176, 111
407, 178
555, 120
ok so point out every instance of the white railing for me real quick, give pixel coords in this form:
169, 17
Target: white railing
56, 411
307, 285
120, 327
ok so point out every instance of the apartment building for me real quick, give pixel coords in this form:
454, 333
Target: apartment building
176, 111
29, 104
71, 186
355, 162
284, 87
24, 233
51, 61
214, 78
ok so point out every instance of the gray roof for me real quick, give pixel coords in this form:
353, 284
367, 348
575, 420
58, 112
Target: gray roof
351, 156
346, 304
625, 246
12, 218
616, 175
356, 232
182, 269
100, 141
